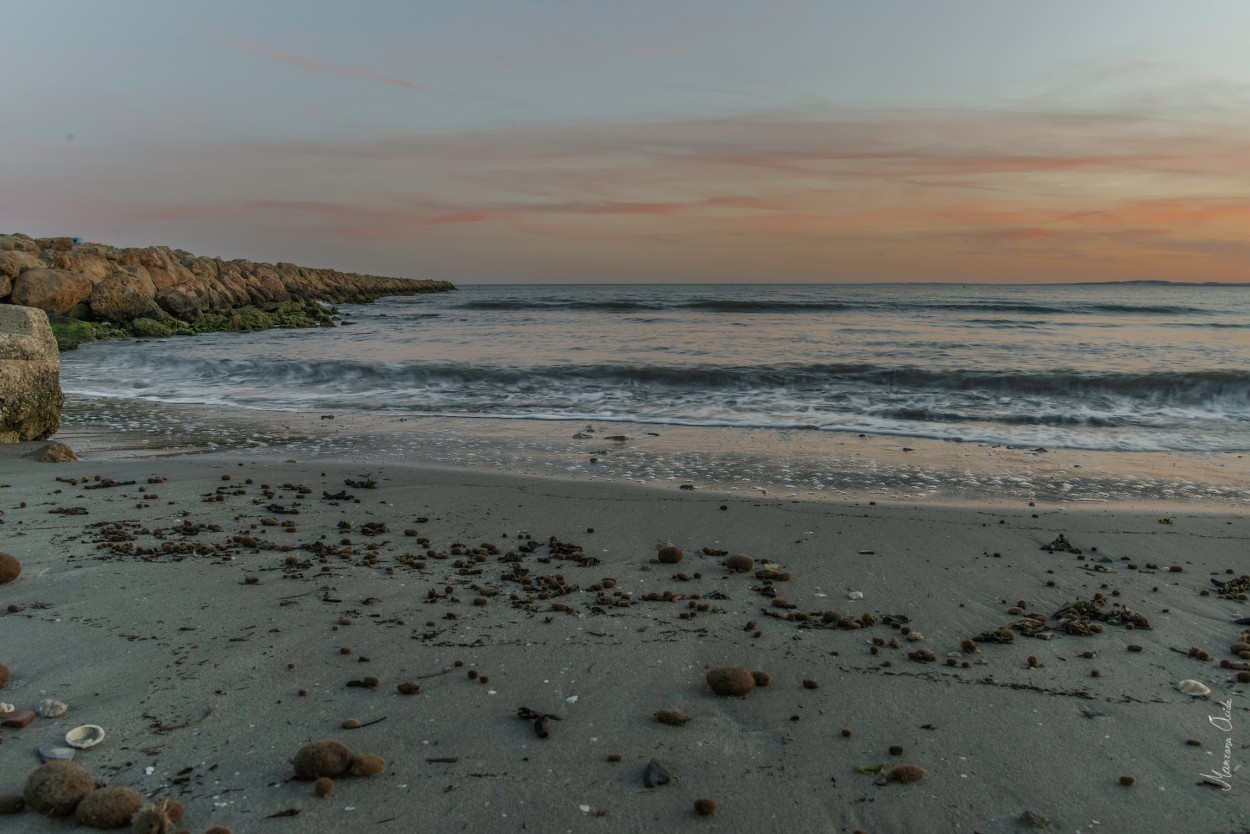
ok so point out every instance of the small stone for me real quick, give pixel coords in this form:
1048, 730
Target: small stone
669, 554
323, 786
655, 774
674, 717
740, 563
10, 568
730, 681
1127, 781
1034, 819
705, 807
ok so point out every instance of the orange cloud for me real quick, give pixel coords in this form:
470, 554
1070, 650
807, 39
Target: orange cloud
312, 63
838, 195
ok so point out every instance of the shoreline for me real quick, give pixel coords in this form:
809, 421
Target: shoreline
208, 687
825, 466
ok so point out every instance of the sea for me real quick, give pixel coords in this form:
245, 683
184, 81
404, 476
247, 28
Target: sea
771, 387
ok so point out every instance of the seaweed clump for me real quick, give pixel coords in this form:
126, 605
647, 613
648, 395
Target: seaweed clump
1080, 617
56, 788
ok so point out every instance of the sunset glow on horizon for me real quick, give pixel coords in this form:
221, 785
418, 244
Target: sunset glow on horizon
497, 142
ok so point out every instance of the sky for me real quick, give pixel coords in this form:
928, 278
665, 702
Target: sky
536, 141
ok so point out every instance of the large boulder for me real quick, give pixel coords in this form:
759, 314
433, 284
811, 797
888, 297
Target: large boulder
30, 376
18, 243
124, 296
54, 290
181, 302
14, 262
92, 264
55, 244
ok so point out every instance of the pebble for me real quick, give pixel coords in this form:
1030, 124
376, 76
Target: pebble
705, 807
674, 717
656, 774
53, 752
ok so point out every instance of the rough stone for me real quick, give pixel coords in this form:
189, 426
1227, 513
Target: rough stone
53, 452
30, 376
18, 243
56, 244
181, 302
124, 296
14, 263
95, 265
54, 290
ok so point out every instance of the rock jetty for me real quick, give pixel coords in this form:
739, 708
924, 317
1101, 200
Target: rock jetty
155, 290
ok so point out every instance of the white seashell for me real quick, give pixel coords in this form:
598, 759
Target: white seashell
855, 595
7, 708
50, 708
88, 735
1192, 687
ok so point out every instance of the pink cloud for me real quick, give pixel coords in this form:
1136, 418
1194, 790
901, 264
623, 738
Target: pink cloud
312, 63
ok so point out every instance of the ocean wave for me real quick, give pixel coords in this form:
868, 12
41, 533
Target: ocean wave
729, 305
812, 381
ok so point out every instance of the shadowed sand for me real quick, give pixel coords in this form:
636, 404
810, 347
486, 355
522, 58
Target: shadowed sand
196, 673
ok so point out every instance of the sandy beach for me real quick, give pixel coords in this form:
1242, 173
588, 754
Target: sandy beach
215, 612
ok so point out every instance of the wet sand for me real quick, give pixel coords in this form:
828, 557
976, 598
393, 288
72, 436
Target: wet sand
808, 465
209, 669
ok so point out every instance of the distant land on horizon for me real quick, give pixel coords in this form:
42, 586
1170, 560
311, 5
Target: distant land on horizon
1169, 283
1137, 282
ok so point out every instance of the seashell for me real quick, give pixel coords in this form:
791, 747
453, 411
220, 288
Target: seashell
88, 735
7, 708
50, 708
855, 595
1192, 687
